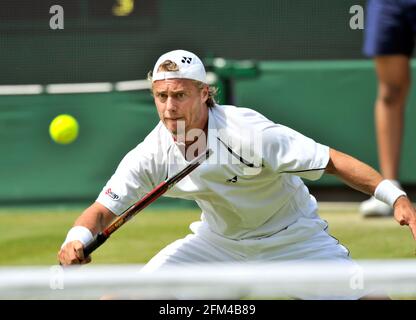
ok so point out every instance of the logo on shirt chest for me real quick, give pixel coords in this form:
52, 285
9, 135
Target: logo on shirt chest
232, 180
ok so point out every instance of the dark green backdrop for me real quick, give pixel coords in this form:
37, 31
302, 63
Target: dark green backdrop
96, 46
331, 102
312, 78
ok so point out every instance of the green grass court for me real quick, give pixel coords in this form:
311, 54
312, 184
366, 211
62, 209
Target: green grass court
33, 237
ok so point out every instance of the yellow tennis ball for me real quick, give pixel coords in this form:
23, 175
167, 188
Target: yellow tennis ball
64, 129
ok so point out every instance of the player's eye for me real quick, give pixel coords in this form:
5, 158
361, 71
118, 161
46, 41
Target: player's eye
180, 95
161, 96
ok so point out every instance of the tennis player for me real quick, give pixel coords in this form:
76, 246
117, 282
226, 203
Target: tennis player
254, 204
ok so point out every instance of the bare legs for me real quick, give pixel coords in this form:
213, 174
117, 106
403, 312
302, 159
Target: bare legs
393, 74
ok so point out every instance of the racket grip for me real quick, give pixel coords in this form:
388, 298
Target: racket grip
98, 240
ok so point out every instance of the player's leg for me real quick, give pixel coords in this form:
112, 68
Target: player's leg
308, 241
394, 77
192, 249
393, 73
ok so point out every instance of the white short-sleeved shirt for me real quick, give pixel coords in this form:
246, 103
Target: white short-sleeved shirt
249, 188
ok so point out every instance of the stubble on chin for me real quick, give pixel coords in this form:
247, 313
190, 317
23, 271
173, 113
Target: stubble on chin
177, 130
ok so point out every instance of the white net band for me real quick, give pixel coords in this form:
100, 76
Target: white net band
213, 281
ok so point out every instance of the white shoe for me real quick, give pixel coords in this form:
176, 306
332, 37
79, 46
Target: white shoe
375, 208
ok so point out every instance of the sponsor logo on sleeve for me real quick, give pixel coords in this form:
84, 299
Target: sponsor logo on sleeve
111, 194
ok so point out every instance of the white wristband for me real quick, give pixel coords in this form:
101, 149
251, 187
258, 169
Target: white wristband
387, 192
79, 233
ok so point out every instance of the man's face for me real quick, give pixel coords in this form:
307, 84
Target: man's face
180, 100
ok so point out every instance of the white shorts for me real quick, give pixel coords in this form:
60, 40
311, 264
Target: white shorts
305, 240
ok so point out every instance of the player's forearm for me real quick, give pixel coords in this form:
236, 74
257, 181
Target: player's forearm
353, 172
95, 218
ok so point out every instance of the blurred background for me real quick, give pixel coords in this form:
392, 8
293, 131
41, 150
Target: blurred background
298, 62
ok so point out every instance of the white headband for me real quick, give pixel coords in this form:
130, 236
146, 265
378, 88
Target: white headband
190, 67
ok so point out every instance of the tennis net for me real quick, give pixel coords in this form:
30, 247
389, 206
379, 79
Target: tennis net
312, 280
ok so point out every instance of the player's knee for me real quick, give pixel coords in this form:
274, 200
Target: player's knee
393, 95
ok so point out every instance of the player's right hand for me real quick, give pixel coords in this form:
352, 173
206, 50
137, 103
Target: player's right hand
405, 214
73, 253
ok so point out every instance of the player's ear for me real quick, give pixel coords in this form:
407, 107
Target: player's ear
205, 93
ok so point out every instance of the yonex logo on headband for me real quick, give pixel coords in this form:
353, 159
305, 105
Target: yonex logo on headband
186, 59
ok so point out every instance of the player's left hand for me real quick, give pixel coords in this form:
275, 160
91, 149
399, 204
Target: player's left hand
405, 214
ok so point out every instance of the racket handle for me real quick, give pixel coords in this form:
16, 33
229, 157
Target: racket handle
98, 240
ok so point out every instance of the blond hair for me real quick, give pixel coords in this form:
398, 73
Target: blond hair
169, 65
